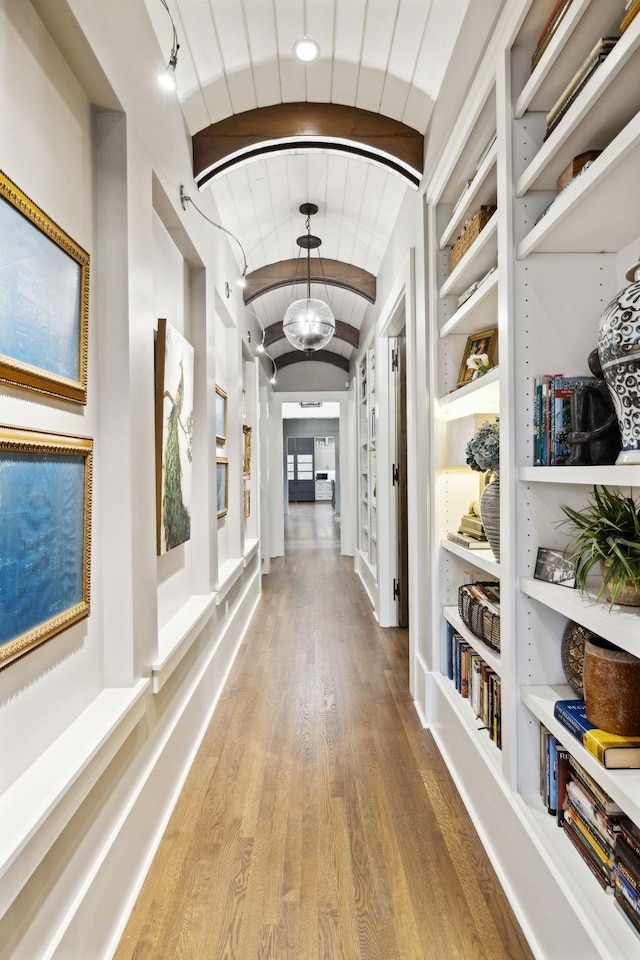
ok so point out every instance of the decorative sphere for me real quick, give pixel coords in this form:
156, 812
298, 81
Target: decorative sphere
309, 324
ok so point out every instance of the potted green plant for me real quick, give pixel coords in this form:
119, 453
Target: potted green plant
483, 454
606, 533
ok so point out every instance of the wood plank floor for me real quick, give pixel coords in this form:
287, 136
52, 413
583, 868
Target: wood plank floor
319, 821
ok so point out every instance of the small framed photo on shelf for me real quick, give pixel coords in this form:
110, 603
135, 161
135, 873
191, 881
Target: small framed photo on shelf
221, 416
222, 485
478, 356
554, 566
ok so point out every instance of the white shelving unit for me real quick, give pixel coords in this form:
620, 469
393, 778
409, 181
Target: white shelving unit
552, 281
367, 475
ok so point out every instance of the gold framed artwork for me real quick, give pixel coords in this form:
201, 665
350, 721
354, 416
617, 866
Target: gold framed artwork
45, 536
246, 460
222, 485
44, 300
221, 416
174, 437
247, 503
478, 356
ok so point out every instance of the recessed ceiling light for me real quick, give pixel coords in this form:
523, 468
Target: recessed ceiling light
306, 50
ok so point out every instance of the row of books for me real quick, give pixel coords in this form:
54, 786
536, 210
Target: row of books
552, 417
476, 681
605, 838
547, 33
597, 55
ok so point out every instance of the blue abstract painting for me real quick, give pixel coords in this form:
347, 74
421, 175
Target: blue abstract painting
42, 509
40, 297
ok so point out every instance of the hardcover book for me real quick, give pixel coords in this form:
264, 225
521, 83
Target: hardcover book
613, 752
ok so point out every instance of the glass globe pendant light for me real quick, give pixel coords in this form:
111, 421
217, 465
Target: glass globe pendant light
309, 324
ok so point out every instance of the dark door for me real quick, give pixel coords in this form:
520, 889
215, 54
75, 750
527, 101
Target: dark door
300, 471
401, 486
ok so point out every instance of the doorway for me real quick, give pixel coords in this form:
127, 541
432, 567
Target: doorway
300, 469
399, 367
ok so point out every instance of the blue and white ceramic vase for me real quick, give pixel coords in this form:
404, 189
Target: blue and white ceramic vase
619, 353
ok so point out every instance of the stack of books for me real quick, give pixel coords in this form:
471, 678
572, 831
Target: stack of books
626, 873
552, 417
631, 9
600, 52
547, 33
613, 751
475, 681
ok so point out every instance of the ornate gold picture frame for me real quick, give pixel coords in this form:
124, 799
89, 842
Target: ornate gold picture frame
44, 300
246, 460
45, 536
221, 416
222, 485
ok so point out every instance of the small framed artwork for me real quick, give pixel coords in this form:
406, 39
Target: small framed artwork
174, 437
44, 300
247, 504
244, 404
45, 537
478, 356
246, 461
222, 485
221, 416
554, 567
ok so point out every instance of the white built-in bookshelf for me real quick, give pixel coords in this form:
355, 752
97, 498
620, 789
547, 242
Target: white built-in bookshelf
555, 273
367, 462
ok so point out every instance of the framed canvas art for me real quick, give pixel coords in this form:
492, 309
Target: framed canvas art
44, 300
45, 537
222, 485
246, 460
174, 437
221, 416
246, 503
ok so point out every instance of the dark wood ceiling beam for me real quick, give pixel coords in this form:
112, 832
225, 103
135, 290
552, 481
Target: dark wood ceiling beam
335, 273
284, 127
320, 356
344, 331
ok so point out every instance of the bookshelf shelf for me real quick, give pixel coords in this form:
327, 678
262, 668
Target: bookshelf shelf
611, 475
581, 25
481, 190
471, 724
477, 313
482, 396
480, 257
612, 938
623, 786
620, 626
482, 559
490, 657
607, 103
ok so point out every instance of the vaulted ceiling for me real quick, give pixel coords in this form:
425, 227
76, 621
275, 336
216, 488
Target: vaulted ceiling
387, 57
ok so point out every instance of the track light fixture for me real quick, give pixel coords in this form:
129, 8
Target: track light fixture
167, 78
308, 324
185, 199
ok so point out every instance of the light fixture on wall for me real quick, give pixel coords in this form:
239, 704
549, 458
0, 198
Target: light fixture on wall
306, 50
167, 78
308, 324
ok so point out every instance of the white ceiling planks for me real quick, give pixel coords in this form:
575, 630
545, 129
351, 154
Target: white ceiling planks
387, 56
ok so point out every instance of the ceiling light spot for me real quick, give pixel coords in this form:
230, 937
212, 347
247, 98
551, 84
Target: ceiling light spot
306, 50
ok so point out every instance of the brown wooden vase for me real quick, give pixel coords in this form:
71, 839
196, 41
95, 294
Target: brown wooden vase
612, 688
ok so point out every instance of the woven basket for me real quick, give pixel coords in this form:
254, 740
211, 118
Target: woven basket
482, 622
477, 223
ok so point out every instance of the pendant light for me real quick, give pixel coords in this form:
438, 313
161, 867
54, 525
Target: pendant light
308, 324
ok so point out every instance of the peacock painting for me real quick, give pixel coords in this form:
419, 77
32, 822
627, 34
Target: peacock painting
174, 426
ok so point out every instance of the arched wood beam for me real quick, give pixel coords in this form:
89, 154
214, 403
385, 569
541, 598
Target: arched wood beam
344, 331
285, 127
320, 356
335, 273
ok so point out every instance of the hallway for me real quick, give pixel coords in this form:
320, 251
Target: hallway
318, 821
